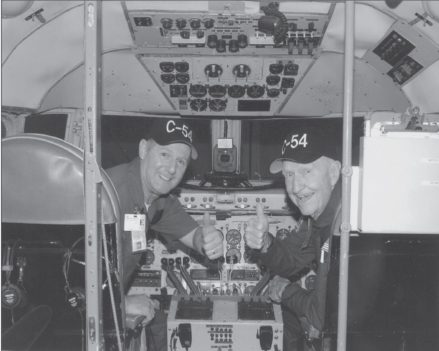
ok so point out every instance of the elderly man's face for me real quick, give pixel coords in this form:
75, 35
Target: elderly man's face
309, 186
162, 166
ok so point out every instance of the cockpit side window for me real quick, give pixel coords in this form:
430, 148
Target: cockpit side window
49, 124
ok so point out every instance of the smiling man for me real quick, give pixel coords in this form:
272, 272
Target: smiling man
143, 187
309, 165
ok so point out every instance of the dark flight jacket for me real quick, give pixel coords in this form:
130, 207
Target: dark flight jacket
298, 250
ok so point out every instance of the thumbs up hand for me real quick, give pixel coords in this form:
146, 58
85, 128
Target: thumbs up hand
212, 242
256, 233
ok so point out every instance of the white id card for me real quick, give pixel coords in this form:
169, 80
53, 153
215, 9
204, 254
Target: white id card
134, 222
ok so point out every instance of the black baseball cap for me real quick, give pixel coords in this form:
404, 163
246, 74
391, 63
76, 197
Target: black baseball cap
171, 131
305, 145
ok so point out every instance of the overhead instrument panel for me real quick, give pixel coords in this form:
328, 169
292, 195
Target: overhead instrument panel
226, 60
228, 28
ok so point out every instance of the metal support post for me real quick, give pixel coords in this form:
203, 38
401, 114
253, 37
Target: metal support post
346, 174
92, 176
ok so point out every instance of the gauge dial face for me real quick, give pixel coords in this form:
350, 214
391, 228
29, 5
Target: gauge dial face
198, 90
217, 91
282, 233
182, 78
217, 105
181, 67
272, 80
276, 68
198, 105
271, 93
233, 237
168, 78
149, 257
255, 91
236, 91
233, 256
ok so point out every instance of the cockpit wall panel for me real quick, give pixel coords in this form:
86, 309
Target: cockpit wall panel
322, 89
42, 58
126, 87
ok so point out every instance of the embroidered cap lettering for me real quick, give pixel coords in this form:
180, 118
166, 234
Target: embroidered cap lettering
171, 131
296, 140
185, 131
305, 145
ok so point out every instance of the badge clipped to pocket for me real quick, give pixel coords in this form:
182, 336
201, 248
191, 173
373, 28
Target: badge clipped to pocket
135, 223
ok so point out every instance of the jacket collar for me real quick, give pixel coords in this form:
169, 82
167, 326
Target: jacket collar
328, 213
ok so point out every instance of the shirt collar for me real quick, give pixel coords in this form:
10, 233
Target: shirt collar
135, 183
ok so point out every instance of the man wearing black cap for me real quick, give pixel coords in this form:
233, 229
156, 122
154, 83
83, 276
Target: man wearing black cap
311, 171
143, 187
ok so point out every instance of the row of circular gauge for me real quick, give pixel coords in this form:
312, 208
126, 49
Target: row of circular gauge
234, 91
233, 236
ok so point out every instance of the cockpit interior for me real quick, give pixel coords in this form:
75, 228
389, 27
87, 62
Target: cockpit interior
82, 82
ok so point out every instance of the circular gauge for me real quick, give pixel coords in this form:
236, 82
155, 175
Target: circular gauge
169, 281
249, 256
182, 78
182, 66
309, 282
147, 258
168, 78
248, 289
282, 233
233, 237
166, 23
181, 23
198, 105
271, 93
217, 105
217, 91
236, 91
233, 256
272, 80
198, 90
255, 91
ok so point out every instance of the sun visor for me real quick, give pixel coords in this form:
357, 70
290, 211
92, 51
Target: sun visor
42, 182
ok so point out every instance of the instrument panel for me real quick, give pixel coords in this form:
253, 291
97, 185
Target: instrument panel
250, 86
226, 59
220, 322
237, 272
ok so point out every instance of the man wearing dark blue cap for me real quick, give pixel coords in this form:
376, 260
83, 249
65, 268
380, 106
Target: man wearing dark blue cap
311, 170
143, 187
